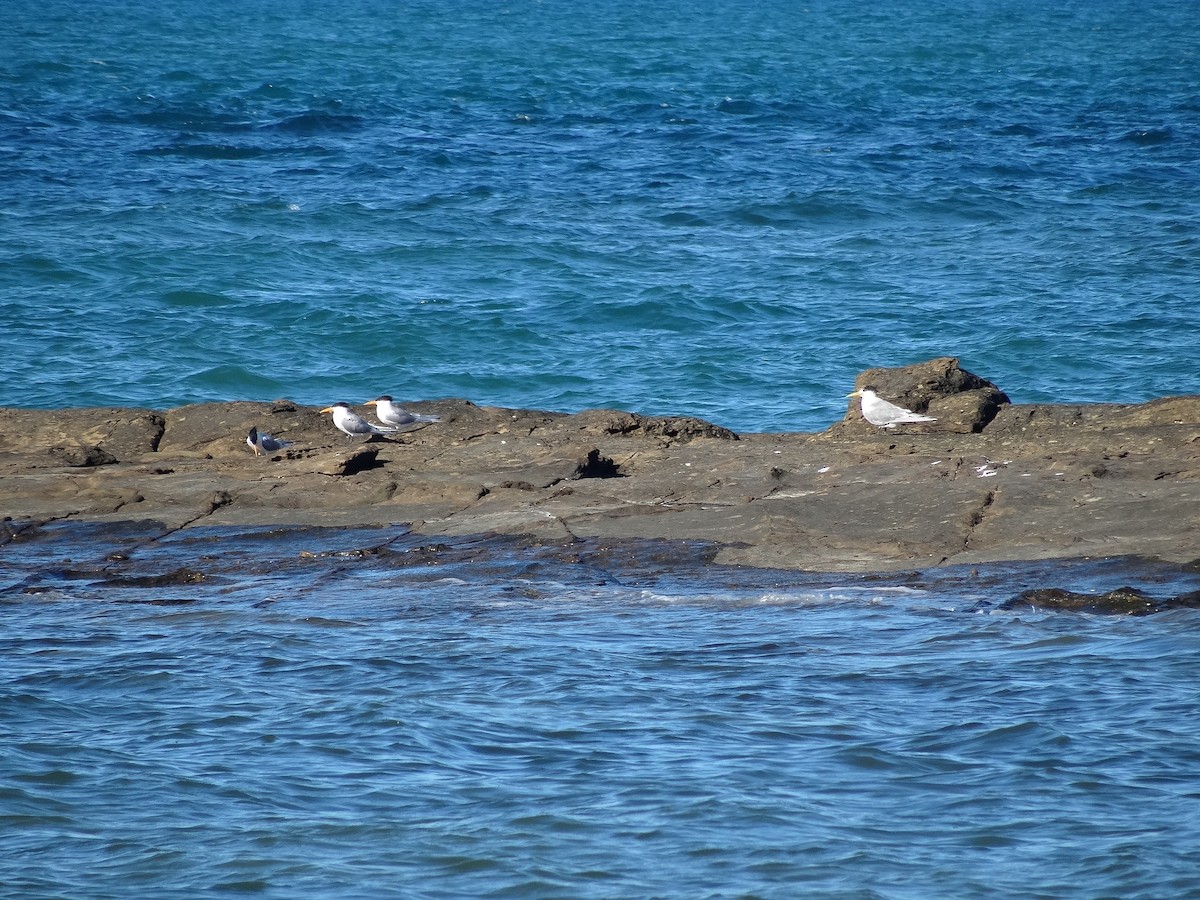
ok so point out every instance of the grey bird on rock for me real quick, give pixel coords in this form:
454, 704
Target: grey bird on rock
391, 414
352, 423
261, 442
883, 414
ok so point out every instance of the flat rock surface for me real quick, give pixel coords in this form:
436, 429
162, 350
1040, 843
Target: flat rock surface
1035, 482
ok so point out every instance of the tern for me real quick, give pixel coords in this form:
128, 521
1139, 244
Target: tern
879, 412
261, 442
391, 414
352, 423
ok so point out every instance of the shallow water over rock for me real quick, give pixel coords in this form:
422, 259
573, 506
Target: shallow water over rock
363, 711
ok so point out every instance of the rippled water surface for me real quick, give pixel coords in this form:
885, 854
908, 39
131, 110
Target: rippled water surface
344, 713
724, 210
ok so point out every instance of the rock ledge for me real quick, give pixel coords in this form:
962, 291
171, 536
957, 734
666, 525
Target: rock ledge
989, 481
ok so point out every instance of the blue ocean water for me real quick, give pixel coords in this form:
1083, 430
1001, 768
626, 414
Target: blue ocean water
358, 713
723, 210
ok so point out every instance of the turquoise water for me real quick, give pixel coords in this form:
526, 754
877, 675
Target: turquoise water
721, 210
357, 713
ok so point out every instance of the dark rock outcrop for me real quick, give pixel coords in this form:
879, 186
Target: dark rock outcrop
962, 402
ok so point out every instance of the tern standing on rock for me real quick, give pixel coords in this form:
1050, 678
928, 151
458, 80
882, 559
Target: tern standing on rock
391, 414
352, 423
261, 442
880, 413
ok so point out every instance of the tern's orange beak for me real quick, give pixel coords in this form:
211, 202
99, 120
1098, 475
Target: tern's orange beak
371, 403
327, 409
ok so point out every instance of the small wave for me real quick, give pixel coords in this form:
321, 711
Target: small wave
45, 267
801, 211
582, 119
232, 380
683, 220
204, 151
271, 91
193, 299
317, 123
739, 107
182, 75
169, 117
1148, 137
1017, 130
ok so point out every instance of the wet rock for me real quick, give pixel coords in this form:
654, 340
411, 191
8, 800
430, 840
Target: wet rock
173, 578
107, 501
11, 529
1124, 601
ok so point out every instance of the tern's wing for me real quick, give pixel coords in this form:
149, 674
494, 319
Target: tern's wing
907, 415
886, 415
891, 411
357, 424
404, 417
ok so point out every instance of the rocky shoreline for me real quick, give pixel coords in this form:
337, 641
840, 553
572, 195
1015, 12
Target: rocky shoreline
989, 481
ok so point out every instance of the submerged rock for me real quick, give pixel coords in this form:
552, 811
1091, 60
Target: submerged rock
1124, 601
180, 576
